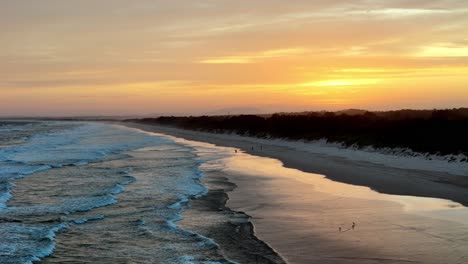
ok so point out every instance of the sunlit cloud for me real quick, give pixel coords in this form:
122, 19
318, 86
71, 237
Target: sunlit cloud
267, 54
443, 50
390, 73
401, 12
343, 82
228, 60
355, 51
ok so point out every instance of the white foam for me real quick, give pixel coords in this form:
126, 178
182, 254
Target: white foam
25, 243
5, 194
67, 206
86, 220
79, 146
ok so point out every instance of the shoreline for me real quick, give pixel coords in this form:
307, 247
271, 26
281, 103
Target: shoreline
389, 180
233, 231
308, 218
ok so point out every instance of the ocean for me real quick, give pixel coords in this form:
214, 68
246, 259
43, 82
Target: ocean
99, 193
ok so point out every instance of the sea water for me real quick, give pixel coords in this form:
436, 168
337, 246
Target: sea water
97, 193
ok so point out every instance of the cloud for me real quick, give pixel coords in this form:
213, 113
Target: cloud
443, 50
401, 12
340, 82
267, 54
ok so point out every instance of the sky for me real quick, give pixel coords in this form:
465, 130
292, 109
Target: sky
127, 57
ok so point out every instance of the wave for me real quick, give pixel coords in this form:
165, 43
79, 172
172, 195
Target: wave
27, 244
181, 205
79, 145
90, 167
86, 220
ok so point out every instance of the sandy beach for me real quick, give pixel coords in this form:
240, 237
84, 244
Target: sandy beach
299, 213
445, 181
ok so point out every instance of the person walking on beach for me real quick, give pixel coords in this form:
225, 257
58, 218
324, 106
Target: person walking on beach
353, 226
339, 229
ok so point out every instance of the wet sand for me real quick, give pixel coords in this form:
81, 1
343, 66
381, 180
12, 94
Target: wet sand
232, 230
299, 214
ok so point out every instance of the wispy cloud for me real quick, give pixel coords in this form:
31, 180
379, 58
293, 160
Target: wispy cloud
401, 12
443, 50
250, 58
340, 82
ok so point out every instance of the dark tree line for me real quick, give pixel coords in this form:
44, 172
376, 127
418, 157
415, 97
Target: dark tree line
432, 131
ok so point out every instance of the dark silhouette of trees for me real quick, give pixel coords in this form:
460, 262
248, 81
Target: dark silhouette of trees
432, 131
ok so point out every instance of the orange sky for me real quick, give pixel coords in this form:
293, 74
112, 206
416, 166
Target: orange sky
153, 56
